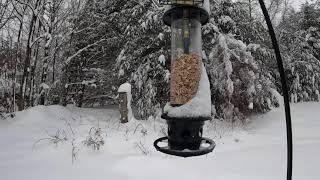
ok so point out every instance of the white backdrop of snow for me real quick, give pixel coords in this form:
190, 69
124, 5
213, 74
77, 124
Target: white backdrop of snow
254, 152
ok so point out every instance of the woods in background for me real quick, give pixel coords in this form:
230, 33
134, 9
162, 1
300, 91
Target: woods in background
75, 51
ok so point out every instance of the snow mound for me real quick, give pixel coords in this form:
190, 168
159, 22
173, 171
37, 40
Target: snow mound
278, 96
128, 152
43, 114
126, 87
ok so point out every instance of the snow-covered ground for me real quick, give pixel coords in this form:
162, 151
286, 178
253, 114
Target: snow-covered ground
254, 152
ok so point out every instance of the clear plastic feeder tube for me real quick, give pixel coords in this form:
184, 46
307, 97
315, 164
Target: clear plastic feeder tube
186, 56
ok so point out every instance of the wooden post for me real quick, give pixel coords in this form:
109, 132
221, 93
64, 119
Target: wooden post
123, 107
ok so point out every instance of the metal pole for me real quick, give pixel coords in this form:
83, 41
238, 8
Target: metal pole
284, 89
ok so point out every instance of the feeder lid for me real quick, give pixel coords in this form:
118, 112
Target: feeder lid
183, 2
176, 12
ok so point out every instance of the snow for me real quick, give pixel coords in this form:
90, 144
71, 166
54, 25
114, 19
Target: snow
257, 151
162, 59
294, 98
234, 43
167, 75
121, 72
161, 36
49, 39
228, 66
251, 89
121, 56
206, 6
204, 55
225, 19
126, 87
84, 49
143, 25
277, 95
253, 47
269, 103
87, 82
44, 86
199, 106
230, 87
250, 105
5, 84
317, 45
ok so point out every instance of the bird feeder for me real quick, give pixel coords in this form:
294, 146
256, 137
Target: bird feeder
183, 115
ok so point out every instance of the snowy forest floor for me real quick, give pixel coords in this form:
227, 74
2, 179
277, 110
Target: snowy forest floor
256, 151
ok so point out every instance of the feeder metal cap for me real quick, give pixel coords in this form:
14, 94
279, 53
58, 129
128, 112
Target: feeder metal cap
176, 12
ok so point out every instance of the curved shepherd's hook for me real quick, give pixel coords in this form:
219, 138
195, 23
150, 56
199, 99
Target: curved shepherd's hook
284, 88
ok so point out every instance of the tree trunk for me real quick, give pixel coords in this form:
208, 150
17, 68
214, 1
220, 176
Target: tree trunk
54, 62
33, 71
26, 65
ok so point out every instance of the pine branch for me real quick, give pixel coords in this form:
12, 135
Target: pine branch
83, 49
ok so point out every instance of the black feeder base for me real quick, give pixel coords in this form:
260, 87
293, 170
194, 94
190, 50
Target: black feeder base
184, 138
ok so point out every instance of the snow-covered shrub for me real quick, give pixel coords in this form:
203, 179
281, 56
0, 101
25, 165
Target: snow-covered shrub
59, 137
143, 60
141, 146
94, 139
54, 93
5, 94
238, 87
240, 83
304, 79
299, 45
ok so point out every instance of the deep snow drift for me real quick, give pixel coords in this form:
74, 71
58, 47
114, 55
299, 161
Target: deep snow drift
254, 152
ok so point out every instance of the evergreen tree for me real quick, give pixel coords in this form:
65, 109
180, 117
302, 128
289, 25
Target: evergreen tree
299, 38
237, 85
142, 59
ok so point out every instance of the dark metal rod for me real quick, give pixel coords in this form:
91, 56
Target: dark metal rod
284, 89
186, 30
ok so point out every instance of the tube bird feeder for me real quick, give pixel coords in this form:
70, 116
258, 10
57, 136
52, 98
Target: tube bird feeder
190, 102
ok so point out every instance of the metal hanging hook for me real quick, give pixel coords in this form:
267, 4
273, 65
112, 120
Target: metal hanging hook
284, 88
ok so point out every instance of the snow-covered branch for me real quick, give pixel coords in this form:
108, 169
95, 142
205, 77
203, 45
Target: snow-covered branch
85, 48
38, 39
27, 4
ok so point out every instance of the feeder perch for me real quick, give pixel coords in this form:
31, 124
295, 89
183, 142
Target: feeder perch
184, 115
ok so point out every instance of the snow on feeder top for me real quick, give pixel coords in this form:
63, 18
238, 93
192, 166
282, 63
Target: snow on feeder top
190, 100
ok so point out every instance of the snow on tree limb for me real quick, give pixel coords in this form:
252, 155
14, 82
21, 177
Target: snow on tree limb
83, 49
37, 39
34, 11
